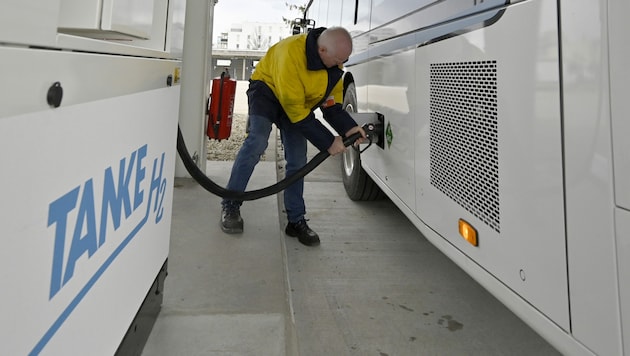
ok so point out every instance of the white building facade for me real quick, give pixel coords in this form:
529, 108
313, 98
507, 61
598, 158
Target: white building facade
255, 36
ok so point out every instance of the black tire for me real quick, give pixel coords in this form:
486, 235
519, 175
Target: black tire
358, 184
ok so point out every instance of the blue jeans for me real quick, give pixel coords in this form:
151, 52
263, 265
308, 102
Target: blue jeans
249, 155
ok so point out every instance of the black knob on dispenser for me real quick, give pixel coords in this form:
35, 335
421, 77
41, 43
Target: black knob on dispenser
55, 94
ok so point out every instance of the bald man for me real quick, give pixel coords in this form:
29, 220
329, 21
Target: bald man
295, 77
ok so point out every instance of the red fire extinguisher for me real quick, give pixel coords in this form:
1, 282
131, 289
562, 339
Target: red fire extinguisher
221, 107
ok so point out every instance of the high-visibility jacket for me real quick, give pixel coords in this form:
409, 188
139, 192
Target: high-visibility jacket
291, 81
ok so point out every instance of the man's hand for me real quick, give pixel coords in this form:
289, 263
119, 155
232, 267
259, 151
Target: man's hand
337, 145
354, 130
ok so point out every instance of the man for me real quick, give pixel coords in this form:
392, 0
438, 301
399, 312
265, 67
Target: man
296, 76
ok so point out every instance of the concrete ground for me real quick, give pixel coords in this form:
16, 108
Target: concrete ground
374, 286
224, 294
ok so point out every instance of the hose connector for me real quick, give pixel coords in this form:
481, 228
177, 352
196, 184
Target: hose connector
374, 126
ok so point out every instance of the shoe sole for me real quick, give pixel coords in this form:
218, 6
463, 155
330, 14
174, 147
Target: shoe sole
295, 235
234, 230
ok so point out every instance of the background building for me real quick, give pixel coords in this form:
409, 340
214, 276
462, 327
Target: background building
240, 49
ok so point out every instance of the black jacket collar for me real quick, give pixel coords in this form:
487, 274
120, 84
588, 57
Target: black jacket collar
313, 62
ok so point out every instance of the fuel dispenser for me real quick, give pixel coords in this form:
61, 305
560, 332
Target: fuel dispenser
221, 107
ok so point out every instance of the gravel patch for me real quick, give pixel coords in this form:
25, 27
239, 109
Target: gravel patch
226, 150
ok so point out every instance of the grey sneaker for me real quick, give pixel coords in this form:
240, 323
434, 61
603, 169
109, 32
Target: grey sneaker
231, 221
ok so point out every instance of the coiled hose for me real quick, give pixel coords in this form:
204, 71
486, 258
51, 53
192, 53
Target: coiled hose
216, 189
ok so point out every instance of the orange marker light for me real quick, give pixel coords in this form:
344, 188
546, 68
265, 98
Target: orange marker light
468, 232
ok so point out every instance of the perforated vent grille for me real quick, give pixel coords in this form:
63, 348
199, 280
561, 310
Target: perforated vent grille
463, 136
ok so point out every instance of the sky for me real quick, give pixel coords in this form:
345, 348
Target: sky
227, 12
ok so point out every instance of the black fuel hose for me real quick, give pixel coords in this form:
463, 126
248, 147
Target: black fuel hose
216, 189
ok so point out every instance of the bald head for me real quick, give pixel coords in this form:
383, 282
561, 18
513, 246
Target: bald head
334, 46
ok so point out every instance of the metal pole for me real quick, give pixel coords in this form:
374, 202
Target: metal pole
195, 85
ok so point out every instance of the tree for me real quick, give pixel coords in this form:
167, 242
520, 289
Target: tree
257, 41
299, 24
301, 9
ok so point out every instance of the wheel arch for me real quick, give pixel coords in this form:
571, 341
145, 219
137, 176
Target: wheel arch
357, 183
348, 79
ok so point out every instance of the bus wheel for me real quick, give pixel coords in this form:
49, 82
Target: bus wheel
358, 184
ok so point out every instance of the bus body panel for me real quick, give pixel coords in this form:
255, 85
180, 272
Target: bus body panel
622, 221
620, 107
489, 148
593, 282
520, 256
558, 254
393, 97
410, 15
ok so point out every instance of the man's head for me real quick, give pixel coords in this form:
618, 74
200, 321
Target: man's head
334, 46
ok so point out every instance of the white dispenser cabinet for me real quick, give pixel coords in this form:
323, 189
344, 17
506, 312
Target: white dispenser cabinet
107, 19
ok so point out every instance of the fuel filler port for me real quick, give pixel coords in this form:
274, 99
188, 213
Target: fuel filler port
373, 123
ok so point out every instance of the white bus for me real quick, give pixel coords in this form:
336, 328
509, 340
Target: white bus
506, 146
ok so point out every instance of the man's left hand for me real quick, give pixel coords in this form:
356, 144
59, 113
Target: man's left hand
360, 139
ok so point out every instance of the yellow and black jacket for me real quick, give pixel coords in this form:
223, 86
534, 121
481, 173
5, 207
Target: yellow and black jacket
291, 81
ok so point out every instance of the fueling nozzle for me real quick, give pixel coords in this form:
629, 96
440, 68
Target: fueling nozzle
373, 125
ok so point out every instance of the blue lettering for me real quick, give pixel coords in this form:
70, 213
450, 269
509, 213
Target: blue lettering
87, 237
156, 181
86, 243
58, 215
123, 185
113, 201
160, 210
140, 173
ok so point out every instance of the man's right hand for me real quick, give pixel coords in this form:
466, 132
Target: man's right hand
337, 146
